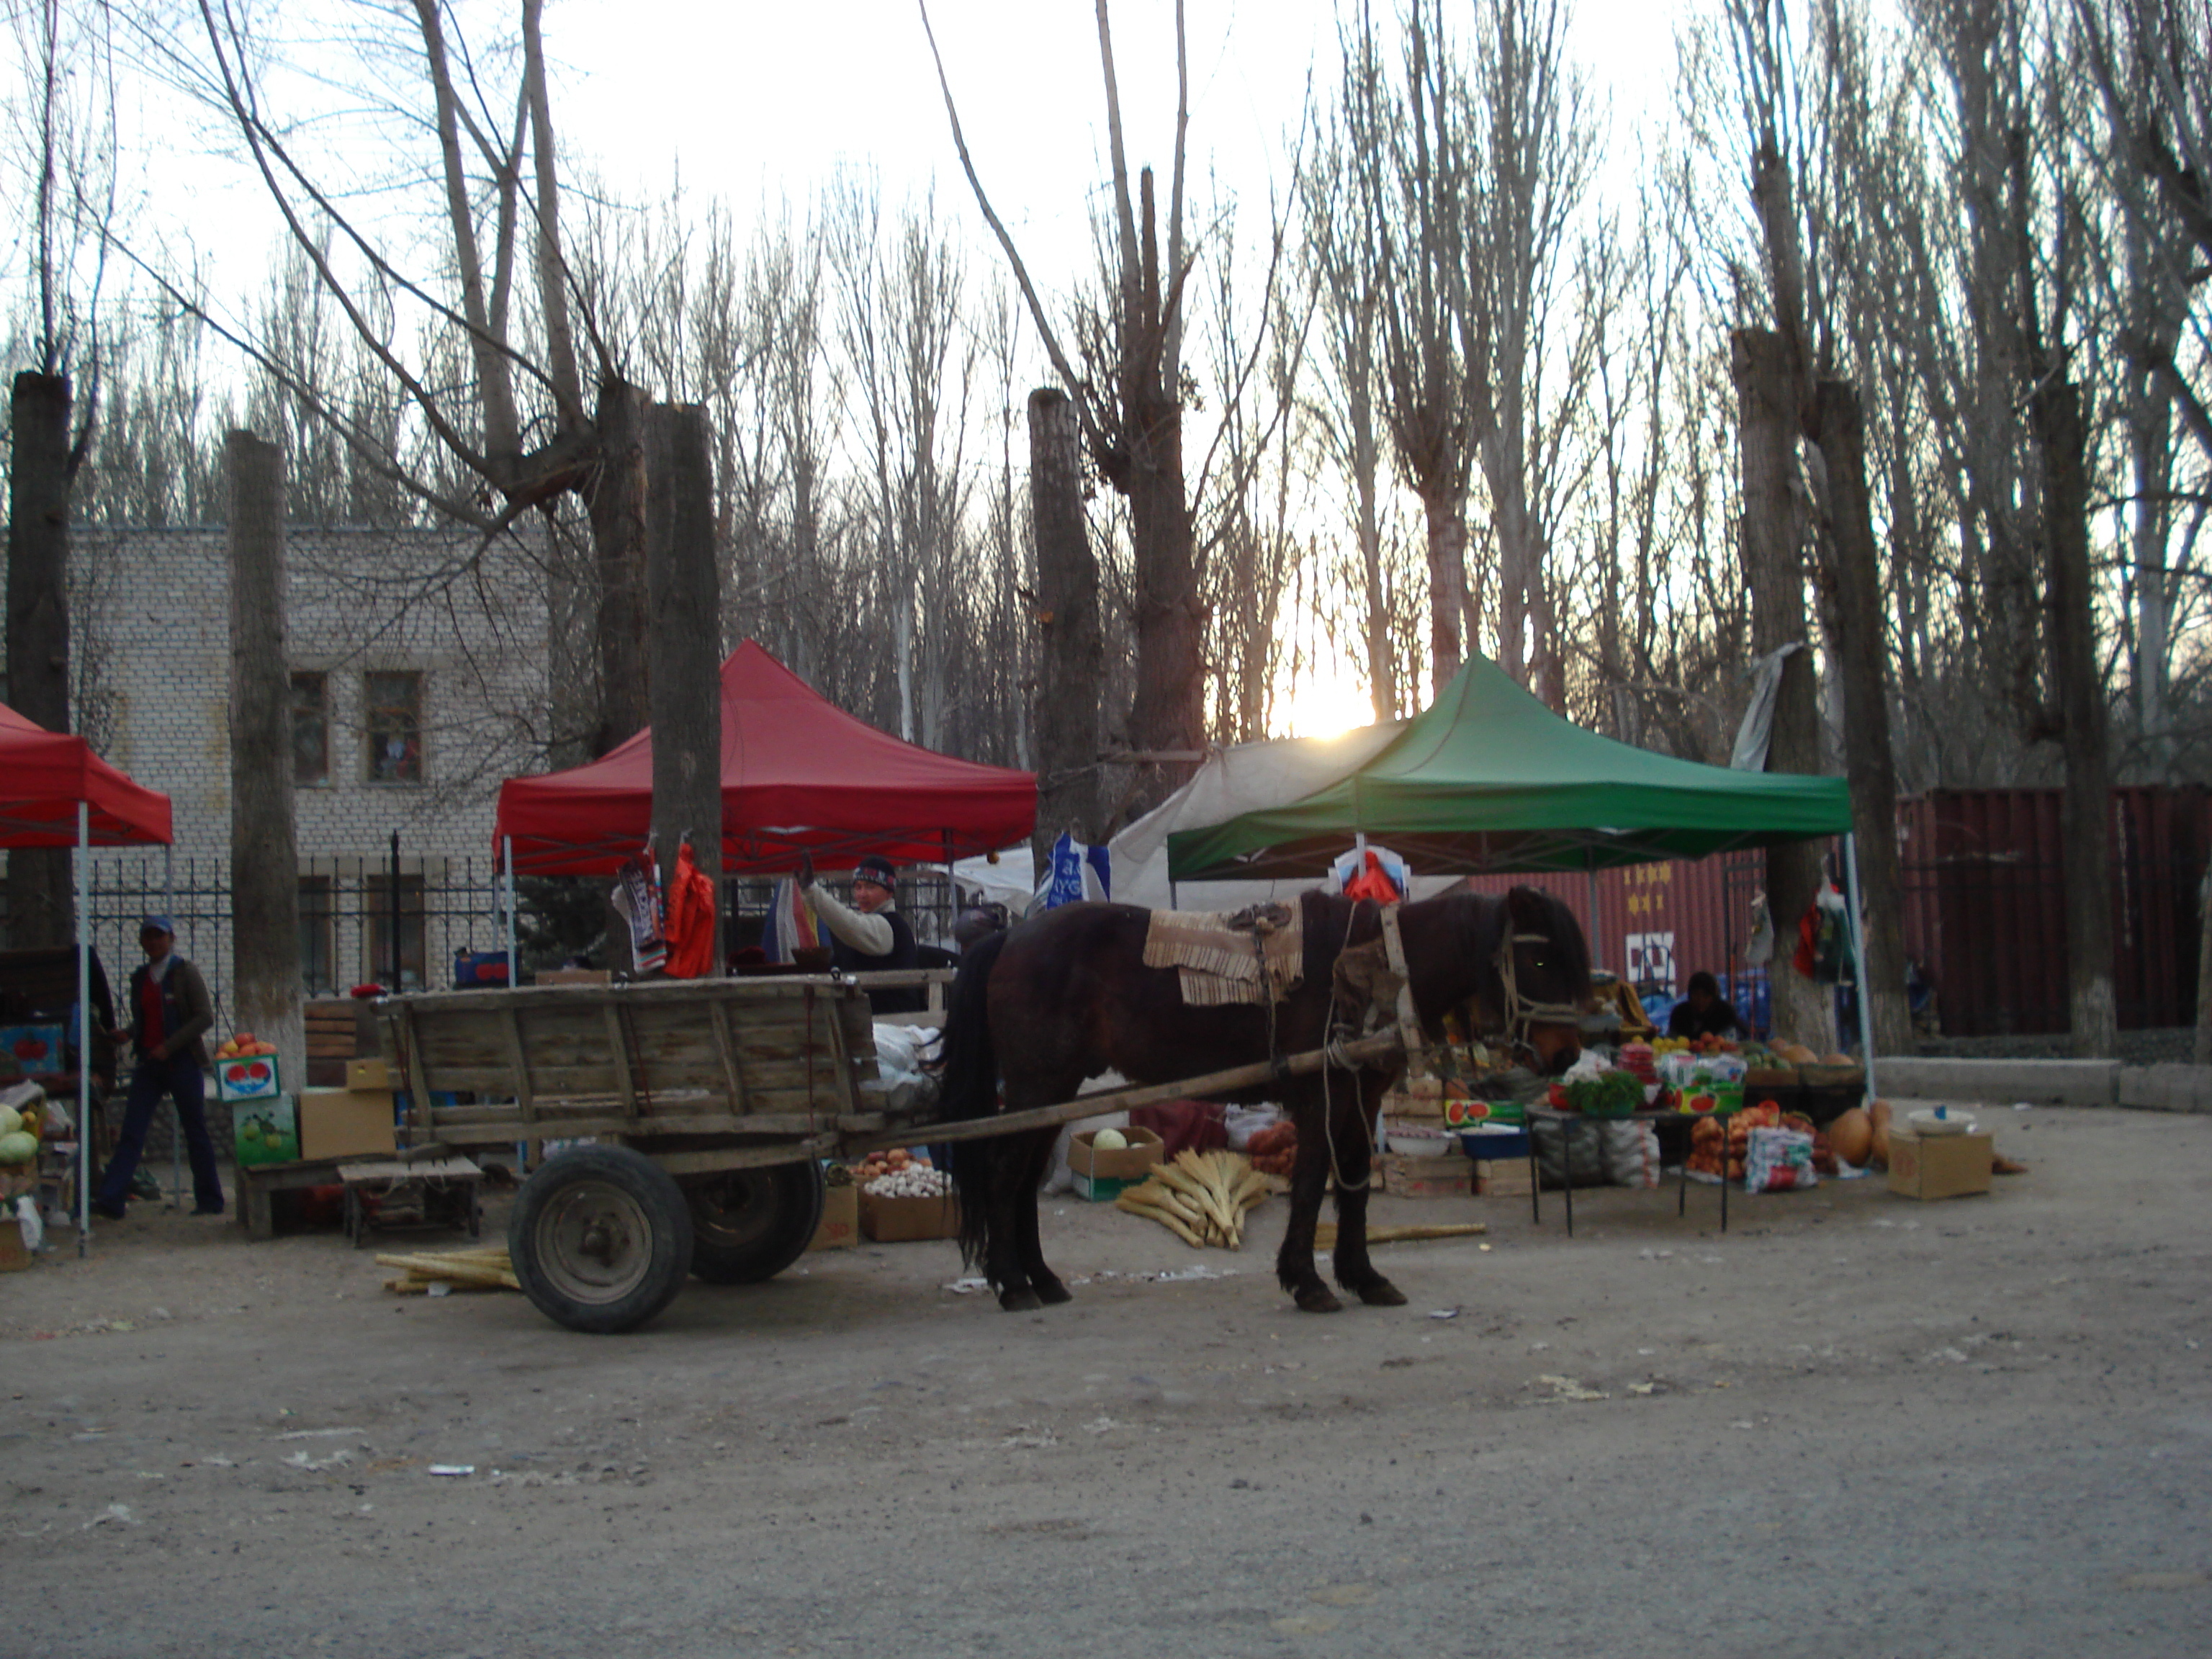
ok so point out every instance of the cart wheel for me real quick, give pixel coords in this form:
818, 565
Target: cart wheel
750, 1224
600, 1238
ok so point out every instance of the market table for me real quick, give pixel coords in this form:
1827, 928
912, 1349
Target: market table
1567, 1120
258, 1181
385, 1177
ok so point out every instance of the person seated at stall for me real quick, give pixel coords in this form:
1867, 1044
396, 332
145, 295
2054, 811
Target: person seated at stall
869, 935
1703, 1012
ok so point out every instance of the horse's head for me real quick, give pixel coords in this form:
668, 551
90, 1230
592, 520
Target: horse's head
1533, 975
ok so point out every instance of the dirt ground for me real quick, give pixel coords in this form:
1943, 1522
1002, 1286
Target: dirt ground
1851, 1426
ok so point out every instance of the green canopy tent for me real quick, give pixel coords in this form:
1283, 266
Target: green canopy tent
1490, 780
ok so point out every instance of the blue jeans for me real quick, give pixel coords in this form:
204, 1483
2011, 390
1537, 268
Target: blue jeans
178, 1077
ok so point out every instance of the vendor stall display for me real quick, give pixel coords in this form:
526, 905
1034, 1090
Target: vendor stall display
55, 791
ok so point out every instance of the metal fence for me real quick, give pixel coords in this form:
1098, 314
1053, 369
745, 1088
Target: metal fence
407, 923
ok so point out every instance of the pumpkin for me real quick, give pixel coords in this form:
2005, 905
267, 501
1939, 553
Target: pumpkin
1852, 1136
1878, 1153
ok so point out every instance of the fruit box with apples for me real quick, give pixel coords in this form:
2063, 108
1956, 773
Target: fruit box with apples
247, 1077
31, 1048
267, 1133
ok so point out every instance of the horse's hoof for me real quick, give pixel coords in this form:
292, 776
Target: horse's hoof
1382, 1294
1024, 1300
1316, 1298
1051, 1292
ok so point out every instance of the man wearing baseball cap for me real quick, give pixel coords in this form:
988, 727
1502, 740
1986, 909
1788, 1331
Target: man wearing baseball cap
170, 1011
869, 935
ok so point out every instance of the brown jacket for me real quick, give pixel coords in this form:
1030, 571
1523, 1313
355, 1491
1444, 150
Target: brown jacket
186, 1009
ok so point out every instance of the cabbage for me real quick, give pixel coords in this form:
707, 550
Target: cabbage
17, 1147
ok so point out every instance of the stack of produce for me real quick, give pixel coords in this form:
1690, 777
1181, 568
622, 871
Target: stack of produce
878, 1164
244, 1044
1718, 1144
1609, 1094
1275, 1149
1200, 1198
1641, 1059
19, 1129
912, 1179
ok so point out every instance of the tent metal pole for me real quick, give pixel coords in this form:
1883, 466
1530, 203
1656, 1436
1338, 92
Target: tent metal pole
83, 1027
1858, 962
513, 963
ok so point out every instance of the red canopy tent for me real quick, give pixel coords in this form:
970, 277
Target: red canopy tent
55, 791
43, 777
799, 775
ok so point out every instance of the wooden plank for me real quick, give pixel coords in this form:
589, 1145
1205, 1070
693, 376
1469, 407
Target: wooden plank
553, 1083
1382, 1045
1394, 950
620, 1040
497, 1131
418, 1077
512, 1024
725, 1050
746, 1157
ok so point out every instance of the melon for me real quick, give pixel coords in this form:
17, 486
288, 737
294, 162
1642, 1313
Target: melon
1108, 1140
10, 1120
16, 1147
1851, 1135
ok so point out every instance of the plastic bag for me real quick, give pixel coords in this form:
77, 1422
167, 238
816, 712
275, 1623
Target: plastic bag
1632, 1154
792, 926
1778, 1161
1373, 882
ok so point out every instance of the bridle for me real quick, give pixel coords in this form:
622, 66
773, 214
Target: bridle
1523, 1012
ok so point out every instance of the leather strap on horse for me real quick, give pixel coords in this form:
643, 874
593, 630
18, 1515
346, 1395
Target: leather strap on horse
1520, 1012
1409, 1027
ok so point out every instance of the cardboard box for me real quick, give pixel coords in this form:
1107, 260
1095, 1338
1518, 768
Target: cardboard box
573, 976
13, 1256
1939, 1166
1449, 1176
248, 1077
895, 1220
839, 1227
1101, 1176
33, 1049
266, 1131
1506, 1178
368, 1074
346, 1123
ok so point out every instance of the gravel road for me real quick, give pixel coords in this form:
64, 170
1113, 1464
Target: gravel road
1851, 1426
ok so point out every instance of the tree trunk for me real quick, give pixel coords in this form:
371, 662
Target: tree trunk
685, 606
264, 861
1860, 652
1071, 669
1447, 547
2056, 414
1774, 570
618, 515
1167, 713
39, 906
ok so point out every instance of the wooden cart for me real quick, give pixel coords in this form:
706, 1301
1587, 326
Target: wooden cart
701, 1108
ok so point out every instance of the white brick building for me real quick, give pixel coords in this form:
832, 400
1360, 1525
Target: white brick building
419, 680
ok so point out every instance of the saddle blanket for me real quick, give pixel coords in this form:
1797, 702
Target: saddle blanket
1256, 955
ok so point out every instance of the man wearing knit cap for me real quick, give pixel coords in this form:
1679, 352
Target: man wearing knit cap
869, 935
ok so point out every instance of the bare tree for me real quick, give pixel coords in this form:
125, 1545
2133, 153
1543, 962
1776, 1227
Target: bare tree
1133, 426
63, 144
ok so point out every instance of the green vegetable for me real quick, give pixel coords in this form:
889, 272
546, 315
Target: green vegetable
1609, 1094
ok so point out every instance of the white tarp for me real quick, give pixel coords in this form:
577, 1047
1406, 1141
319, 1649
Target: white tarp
1243, 779
1007, 877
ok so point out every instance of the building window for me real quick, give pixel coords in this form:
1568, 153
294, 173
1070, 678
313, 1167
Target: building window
318, 967
393, 715
376, 934
311, 728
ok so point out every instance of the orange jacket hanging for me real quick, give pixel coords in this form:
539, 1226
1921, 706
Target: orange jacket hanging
690, 925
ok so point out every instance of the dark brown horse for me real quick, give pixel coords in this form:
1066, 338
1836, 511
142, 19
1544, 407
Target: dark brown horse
1066, 996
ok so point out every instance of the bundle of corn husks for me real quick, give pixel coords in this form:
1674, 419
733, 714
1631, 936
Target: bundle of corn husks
486, 1270
1200, 1198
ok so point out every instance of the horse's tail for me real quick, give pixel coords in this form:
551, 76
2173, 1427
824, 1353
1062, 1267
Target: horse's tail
968, 1087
